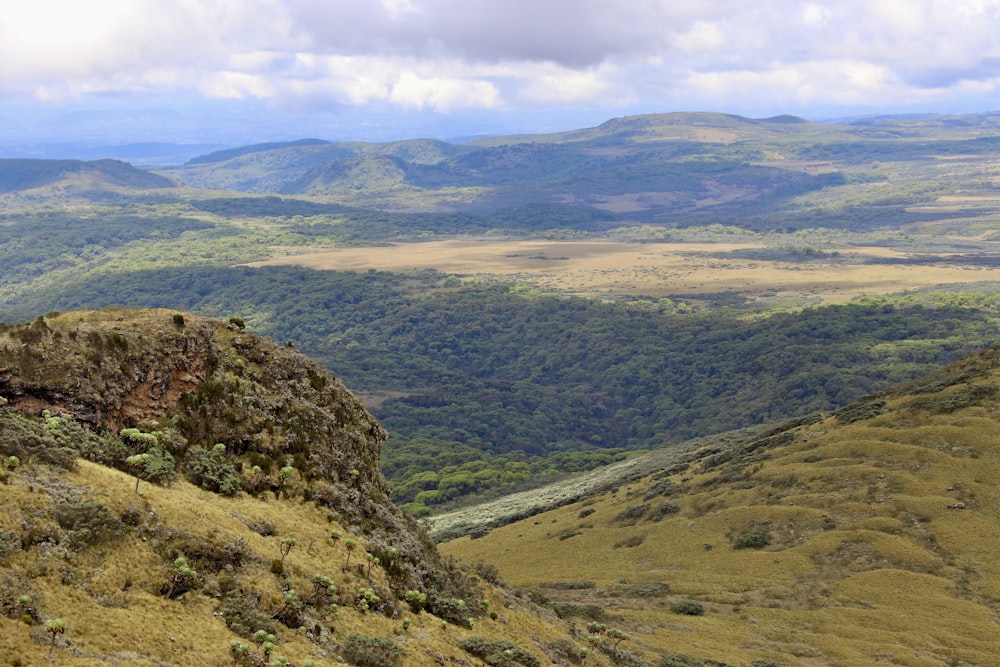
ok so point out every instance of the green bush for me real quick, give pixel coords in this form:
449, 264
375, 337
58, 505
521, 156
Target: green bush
757, 539
87, 523
499, 653
372, 651
687, 608
213, 471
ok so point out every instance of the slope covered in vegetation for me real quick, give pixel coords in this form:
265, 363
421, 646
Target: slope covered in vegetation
179, 491
490, 386
860, 538
28, 174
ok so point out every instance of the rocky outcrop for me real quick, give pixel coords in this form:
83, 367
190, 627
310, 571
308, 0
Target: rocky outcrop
207, 382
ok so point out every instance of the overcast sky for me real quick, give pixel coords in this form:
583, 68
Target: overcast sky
240, 71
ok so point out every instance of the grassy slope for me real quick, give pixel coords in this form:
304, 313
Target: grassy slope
882, 526
114, 623
111, 589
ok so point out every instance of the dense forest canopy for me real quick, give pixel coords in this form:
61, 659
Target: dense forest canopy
489, 386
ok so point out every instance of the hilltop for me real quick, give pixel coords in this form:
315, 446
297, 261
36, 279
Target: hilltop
174, 486
859, 537
22, 174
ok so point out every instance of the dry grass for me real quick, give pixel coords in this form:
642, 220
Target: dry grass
111, 598
654, 269
882, 548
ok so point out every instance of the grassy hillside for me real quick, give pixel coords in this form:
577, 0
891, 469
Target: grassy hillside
863, 538
174, 486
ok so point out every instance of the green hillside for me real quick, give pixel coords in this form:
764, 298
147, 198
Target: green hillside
865, 537
27, 174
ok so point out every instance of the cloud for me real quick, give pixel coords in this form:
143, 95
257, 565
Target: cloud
452, 56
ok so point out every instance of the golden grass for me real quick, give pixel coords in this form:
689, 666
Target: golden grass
110, 594
883, 549
654, 269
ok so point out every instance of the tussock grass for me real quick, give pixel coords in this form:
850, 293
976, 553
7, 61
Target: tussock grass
882, 544
111, 594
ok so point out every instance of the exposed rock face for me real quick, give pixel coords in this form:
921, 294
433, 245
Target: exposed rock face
209, 382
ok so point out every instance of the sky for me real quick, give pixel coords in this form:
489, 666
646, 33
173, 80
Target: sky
235, 72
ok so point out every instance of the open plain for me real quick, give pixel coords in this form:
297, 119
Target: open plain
603, 268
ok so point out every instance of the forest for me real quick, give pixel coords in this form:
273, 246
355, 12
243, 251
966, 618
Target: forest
489, 387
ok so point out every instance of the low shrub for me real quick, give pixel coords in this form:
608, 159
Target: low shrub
213, 471
662, 510
757, 539
687, 608
633, 541
631, 514
242, 614
10, 544
498, 653
87, 523
661, 487
372, 651
679, 660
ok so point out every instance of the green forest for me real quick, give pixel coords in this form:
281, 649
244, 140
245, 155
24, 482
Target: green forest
492, 387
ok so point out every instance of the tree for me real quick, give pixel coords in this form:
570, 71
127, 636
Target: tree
350, 545
138, 462
285, 548
55, 626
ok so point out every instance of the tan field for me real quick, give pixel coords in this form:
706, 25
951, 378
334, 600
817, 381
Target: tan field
650, 269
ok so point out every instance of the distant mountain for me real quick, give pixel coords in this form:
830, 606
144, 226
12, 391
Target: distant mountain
650, 165
230, 153
27, 174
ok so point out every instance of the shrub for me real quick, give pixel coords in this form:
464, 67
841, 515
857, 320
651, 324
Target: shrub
662, 487
687, 608
631, 514
10, 544
662, 510
633, 541
757, 539
178, 320
242, 615
679, 660
87, 523
453, 610
499, 653
372, 651
213, 471
489, 572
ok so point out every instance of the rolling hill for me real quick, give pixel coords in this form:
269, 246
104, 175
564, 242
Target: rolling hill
18, 175
861, 537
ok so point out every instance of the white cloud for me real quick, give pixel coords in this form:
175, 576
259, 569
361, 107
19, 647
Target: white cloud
454, 55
